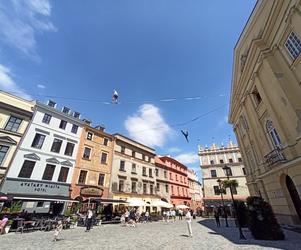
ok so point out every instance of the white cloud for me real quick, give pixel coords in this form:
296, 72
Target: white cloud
174, 150
8, 84
187, 158
20, 20
148, 126
41, 86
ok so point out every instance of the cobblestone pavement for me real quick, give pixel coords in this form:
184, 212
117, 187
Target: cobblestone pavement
156, 235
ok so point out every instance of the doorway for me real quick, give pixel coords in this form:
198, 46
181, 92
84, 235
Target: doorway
294, 195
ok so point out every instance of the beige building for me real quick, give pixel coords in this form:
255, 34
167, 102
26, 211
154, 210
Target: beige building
133, 175
266, 105
195, 190
212, 161
15, 114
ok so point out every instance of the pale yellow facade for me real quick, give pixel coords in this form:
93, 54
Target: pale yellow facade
266, 105
11, 129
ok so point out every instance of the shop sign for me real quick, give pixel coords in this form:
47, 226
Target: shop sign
91, 191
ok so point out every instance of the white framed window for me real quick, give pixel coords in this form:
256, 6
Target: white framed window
89, 136
293, 45
87, 153
274, 137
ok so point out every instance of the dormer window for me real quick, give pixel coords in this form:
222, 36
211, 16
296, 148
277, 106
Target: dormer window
76, 114
51, 104
66, 110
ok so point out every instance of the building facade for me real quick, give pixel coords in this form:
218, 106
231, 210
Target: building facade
133, 172
162, 184
92, 172
42, 169
178, 181
212, 161
265, 105
195, 190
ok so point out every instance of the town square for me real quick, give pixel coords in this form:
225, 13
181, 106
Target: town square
150, 124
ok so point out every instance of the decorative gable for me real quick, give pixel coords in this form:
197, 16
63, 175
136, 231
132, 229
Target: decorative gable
67, 163
53, 160
8, 140
32, 156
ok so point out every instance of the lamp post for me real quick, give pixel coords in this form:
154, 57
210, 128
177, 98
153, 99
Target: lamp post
241, 235
221, 191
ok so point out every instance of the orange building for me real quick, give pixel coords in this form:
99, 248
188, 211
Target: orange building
177, 181
91, 178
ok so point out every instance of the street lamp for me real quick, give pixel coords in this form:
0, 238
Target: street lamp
241, 235
221, 192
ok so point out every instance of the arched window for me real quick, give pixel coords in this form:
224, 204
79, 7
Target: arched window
273, 134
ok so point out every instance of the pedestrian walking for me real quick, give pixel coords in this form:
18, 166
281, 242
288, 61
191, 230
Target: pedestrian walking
89, 220
58, 230
216, 216
188, 221
146, 216
180, 214
173, 215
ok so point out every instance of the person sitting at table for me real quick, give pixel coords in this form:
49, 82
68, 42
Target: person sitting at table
3, 223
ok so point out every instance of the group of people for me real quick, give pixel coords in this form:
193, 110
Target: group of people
133, 216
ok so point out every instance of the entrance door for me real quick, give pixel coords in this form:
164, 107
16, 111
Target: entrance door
294, 195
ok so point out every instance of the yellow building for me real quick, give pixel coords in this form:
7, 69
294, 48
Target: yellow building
266, 105
15, 114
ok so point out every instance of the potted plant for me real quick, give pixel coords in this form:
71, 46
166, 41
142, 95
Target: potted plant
8, 226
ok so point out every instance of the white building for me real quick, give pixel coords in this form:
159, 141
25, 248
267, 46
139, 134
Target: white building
195, 190
42, 169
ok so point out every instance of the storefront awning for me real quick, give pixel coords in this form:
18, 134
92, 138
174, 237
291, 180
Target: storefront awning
42, 199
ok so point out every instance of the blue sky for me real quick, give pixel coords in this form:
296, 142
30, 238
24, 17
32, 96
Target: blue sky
148, 50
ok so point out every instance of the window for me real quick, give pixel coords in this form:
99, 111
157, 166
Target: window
143, 157
122, 165
243, 125
133, 153
134, 187
176, 177
151, 189
3, 151
13, 124
87, 152
89, 136
46, 118
165, 174
230, 160
38, 141
166, 188
121, 185
273, 134
66, 110
293, 45
244, 171
170, 176
213, 173
82, 177
76, 114
56, 145
228, 172
51, 103
221, 161
256, 96
178, 189
69, 148
63, 124
150, 172
172, 190
181, 178
157, 172
105, 141
158, 186
239, 159
48, 173
134, 168
104, 157
212, 162
122, 150
144, 171
40, 204
63, 174
26, 169
144, 188
183, 191
74, 129
101, 179
216, 190
234, 190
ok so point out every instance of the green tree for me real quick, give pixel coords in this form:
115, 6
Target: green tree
230, 184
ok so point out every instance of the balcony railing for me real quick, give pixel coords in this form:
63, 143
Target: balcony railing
274, 157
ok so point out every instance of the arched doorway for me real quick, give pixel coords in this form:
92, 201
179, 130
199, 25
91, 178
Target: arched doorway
294, 195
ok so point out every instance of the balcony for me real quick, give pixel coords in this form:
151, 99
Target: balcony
275, 156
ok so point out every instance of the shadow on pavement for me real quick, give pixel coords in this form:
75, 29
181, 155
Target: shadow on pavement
231, 233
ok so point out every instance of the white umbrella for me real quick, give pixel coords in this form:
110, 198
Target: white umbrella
161, 203
136, 203
181, 207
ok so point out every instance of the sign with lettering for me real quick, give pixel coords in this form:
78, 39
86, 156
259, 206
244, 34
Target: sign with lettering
91, 191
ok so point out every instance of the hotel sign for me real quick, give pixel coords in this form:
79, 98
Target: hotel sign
91, 191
